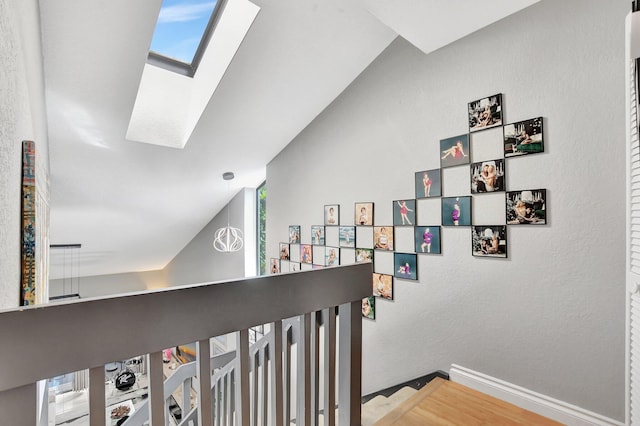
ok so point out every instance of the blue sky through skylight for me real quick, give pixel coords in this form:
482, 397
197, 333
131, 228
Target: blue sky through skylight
180, 27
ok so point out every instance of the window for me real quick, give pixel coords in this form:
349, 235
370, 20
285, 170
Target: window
261, 204
182, 32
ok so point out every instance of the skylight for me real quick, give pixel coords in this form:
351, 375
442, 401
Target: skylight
181, 34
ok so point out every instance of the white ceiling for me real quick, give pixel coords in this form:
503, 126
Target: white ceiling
134, 206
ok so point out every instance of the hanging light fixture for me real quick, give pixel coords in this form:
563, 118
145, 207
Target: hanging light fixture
228, 239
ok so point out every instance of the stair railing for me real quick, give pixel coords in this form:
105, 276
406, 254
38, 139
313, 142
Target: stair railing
50, 340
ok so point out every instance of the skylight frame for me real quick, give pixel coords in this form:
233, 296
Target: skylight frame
184, 68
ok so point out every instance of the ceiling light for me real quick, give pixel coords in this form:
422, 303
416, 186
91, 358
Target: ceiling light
228, 239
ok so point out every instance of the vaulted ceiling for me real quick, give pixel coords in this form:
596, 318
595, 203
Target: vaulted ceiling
134, 206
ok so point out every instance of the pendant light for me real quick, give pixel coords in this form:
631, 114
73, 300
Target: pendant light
228, 239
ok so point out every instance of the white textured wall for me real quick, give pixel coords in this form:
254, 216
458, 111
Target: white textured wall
22, 116
551, 316
199, 262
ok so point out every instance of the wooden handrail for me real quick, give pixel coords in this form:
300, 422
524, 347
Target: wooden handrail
55, 339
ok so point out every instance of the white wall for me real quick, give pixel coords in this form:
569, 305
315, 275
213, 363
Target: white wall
551, 316
200, 262
23, 117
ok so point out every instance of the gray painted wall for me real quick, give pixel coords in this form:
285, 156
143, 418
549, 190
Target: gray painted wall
551, 316
198, 262
23, 117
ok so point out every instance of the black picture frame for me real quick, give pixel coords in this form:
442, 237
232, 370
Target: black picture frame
527, 207
404, 212
454, 151
489, 241
317, 235
332, 215
428, 183
485, 113
428, 239
294, 234
462, 217
363, 214
488, 176
382, 286
285, 251
405, 266
383, 238
369, 307
347, 236
523, 137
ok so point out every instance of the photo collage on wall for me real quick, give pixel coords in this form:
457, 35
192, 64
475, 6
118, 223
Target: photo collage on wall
334, 243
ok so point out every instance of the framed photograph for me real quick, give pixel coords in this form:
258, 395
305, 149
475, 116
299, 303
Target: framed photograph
294, 234
454, 151
332, 256
369, 307
274, 266
347, 236
364, 255
404, 212
428, 183
405, 266
306, 253
489, 241
332, 215
487, 176
294, 266
427, 239
317, 235
284, 251
527, 207
485, 113
363, 214
523, 137
383, 238
383, 286
456, 211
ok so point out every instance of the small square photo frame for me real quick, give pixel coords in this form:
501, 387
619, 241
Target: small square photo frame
456, 211
485, 113
274, 266
363, 214
404, 212
427, 239
428, 183
405, 266
523, 138
369, 307
294, 266
332, 215
488, 176
306, 253
383, 286
284, 251
347, 236
317, 235
331, 256
383, 238
527, 207
454, 151
364, 255
294, 234
489, 241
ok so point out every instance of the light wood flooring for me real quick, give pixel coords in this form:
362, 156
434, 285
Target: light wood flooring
442, 402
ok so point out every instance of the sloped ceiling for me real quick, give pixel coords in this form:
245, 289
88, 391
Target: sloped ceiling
134, 206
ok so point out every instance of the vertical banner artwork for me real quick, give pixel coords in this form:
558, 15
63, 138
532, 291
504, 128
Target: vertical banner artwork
35, 221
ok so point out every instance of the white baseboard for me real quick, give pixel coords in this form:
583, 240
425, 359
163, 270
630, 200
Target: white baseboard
529, 400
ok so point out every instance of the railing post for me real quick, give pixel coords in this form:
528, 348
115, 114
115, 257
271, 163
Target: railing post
276, 373
329, 319
243, 406
350, 364
303, 413
18, 406
97, 416
315, 367
203, 370
156, 389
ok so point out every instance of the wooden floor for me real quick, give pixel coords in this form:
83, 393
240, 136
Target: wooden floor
442, 402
